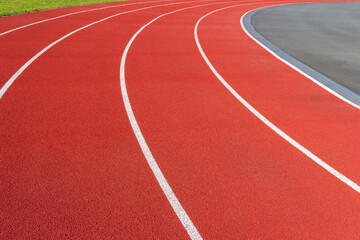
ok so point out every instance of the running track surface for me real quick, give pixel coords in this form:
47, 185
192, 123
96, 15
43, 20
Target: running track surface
71, 166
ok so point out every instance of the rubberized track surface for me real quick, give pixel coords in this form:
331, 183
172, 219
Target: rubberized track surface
72, 167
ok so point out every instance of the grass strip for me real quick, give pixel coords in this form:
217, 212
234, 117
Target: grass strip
11, 7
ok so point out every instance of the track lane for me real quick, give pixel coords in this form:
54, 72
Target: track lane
316, 119
178, 209
199, 134
71, 166
262, 118
18, 48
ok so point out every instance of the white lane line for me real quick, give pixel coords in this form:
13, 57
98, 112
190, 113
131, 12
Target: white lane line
170, 195
334, 172
27, 64
293, 66
69, 14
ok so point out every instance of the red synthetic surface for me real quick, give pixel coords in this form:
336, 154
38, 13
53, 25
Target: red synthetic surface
71, 167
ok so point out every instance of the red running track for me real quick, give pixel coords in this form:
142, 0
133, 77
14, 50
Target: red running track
71, 166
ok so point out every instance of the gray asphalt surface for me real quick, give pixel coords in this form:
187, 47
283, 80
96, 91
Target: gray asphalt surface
325, 36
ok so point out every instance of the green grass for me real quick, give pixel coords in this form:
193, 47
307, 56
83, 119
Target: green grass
10, 7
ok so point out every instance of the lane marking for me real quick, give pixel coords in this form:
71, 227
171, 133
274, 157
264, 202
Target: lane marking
334, 172
69, 14
27, 64
170, 195
321, 80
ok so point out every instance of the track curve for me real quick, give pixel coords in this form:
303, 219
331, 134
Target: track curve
71, 166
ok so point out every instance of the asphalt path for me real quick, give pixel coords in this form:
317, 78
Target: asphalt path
325, 36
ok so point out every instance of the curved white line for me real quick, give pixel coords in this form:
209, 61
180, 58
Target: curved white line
334, 172
294, 67
69, 14
170, 195
27, 64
